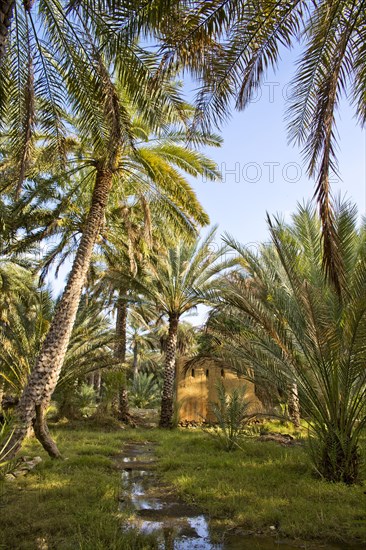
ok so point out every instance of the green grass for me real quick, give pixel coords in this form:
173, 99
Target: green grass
260, 485
73, 504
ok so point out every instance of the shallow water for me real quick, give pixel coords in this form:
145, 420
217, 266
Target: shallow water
178, 525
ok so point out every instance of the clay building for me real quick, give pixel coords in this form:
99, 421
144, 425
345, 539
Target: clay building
196, 389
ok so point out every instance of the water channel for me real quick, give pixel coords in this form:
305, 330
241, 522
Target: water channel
178, 525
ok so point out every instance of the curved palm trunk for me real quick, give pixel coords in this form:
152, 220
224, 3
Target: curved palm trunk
42, 433
6, 15
120, 354
43, 379
166, 415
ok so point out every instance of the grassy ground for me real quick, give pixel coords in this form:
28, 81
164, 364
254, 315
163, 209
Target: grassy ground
73, 503
263, 485
69, 504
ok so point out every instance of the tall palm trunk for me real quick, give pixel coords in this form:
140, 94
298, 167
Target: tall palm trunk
166, 415
294, 404
97, 383
135, 365
43, 379
1, 394
120, 354
6, 15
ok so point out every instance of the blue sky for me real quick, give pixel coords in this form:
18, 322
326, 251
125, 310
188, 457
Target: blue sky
263, 173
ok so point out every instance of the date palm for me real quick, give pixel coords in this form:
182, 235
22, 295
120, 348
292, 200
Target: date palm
118, 21
152, 203
156, 205
177, 283
106, 130
186, 339
48, 65
285, 321
90, 351
148, 340
22, 335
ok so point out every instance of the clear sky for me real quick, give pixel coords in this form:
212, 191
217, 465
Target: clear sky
261, 172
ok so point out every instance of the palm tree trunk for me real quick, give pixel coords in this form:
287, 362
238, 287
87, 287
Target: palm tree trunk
135, 361
42, 433
121, 327
1, 395
294, 404
43, 379
6, 15
166, 415
120, 354
97, 383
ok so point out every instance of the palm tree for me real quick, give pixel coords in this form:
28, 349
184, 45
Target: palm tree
114, 159
186, 338
224, 319
22, 335
47, 63
90, 351
152, 214
177, 283
110, 137
18, 296
285, 321
151, 202
229, 46
147, 340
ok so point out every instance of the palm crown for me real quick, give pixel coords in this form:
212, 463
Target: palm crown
282, 319
176, 283
182, 278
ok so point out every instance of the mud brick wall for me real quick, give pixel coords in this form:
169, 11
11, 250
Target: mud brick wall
196, 388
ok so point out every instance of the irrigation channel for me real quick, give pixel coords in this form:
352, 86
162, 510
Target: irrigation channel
156, 509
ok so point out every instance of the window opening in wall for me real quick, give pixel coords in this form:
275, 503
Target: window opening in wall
192, 373
206, 373
222, 373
